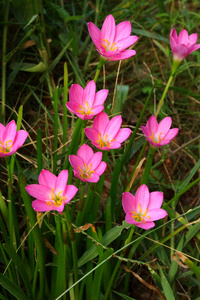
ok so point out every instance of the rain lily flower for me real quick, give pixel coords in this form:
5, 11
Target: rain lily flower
85, 103
11, 139
106, 134
52, 192
183, 44
143, 208
159, 134
111, 41
87, 165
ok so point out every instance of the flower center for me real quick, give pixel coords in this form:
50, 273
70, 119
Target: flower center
85, 109
156, 138
106, 45
103, 142
5, 147
139, 216
86, 172
56, 199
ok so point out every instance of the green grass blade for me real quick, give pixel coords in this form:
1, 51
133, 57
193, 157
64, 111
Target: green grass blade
12, 288
166, 286
20, 266
56, 116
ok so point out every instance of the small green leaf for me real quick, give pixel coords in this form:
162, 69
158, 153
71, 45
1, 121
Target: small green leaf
166, 286
124, 296
28, 67
120, 99
12, 288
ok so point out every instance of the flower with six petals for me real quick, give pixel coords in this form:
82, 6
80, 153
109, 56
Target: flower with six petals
86, 103
111, 41
183, 44
143, 208
105, 134
11, 139
160, 134
52, 192
87, 165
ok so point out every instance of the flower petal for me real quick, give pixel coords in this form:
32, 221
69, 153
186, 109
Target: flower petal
100, 97
108, 30
126, 42
183, 37
122, 30
95, 34
94, 177
95, 160
113, 127
100, 122
192, 38
122, 135
164, 126
146, 131
41, 206
2, 128
76, 93
89, 93
128, 203
123, 55
155, 200
91, 134
157, 214
152, 124
69, 192
39, 191
20, 138
47, 179
172, 133
101, 168
61, 181
10, 131
76, 163
85, 152
142, 198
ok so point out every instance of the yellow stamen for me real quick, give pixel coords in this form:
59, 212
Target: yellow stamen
5, 148
56, 200
83, 111
159, 138
86, 173
139, 217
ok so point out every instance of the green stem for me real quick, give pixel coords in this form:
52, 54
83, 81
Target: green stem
55, 143
3, 80
148, 165
173, 71
81, 204
102, 61
65, 98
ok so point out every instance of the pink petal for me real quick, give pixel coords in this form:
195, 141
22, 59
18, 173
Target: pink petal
85, 152
76, 163
96, 110
2, 128
41, 206
47, 179
164, 126
122, 30
100, 122
20, 138
155, 200
73, 107
101, 168
146, 225
129, 219
194, 48
172, 133
152, 124
95, 34
128, 203
76, 93
164, 142
126, 42
123, 55
174, 35
183, 37
95, 160
122, 135
69, 192
91, 134
39, 191
173, 44
89, 93
156, 214
61, 181
142, 198
193, 38
113, 145
113, 127
146, 131
108, 29
10, 131
100, 97
93, 178
181, 52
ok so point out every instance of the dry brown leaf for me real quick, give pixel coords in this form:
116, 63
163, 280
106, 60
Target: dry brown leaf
85, 227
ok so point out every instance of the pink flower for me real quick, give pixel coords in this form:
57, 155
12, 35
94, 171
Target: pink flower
144, 208
51, 193
87, 165
111, 41
11, 139
85, 103
159, 134
183, 44
106, 134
